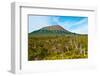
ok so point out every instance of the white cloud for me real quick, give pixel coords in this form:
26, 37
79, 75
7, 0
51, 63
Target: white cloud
80, 23
81, 30
80, 27
37, 22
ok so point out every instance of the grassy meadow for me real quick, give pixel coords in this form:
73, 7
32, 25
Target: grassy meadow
57, 47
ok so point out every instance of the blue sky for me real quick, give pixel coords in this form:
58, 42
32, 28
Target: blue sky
75, 24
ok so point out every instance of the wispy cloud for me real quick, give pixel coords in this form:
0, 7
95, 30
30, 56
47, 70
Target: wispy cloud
83, 29
80, 27
71, 23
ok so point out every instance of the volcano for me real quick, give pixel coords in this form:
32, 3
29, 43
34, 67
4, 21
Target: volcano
54, 30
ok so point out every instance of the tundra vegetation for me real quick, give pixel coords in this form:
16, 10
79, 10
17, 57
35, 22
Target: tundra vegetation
57, 47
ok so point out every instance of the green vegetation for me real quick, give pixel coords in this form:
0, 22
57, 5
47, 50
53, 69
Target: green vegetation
50, 33
57, 47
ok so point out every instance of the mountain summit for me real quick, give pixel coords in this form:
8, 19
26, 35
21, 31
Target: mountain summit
53, 27
54, 30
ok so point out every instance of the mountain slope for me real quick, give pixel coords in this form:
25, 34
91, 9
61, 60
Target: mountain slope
54, 27
55, 30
